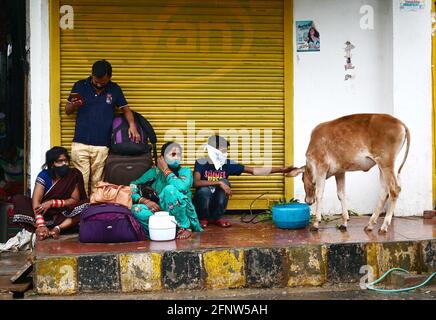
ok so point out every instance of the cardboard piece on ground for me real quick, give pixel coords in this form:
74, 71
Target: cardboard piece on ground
22, 273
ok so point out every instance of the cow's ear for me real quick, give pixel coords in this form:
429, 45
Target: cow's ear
296, 171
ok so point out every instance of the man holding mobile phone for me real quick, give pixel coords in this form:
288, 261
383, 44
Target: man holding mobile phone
95, 99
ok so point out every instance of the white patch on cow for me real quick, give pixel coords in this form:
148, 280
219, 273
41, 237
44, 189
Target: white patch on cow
312, 167
363, 162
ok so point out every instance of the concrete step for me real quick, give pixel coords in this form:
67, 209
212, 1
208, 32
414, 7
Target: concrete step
241, 257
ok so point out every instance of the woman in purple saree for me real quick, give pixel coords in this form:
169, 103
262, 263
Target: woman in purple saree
58, 198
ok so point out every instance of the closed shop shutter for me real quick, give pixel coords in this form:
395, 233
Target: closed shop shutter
192, 68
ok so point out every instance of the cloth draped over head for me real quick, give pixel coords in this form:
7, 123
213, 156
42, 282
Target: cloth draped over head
218, 158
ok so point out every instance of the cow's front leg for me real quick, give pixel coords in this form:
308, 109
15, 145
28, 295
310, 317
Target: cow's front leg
340, 186
320, 183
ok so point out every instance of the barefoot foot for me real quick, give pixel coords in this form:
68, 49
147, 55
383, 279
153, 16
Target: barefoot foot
183, 234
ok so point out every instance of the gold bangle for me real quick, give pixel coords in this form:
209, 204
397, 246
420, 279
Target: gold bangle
143, 200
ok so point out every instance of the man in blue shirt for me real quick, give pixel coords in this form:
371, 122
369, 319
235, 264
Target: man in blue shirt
94, 99
211, 181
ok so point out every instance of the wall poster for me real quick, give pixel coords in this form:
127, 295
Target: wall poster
308, 38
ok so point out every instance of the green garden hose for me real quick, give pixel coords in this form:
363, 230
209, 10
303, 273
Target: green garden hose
370, 286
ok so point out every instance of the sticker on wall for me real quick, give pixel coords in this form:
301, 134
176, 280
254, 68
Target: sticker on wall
348, 64
307, 37
348, 47
412, 5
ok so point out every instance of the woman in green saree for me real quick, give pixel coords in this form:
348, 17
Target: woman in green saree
172, 183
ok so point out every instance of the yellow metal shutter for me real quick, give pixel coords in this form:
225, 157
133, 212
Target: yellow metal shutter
215, 65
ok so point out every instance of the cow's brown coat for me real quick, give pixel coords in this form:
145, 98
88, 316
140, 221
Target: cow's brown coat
354, 143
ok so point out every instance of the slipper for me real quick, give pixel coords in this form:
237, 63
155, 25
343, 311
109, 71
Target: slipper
223, 223
204, 223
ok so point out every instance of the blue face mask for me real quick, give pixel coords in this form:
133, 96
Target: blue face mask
173, 164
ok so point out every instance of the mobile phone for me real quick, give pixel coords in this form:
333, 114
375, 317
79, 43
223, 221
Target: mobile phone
75, 95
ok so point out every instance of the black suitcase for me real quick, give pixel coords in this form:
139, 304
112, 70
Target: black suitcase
122, 170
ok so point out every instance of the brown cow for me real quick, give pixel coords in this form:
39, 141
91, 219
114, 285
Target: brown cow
354, 143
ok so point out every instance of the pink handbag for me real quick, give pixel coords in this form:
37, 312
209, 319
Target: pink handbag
112, 193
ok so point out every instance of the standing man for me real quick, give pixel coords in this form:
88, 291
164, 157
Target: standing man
94, 99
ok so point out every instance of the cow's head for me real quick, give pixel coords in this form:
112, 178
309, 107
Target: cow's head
308, 180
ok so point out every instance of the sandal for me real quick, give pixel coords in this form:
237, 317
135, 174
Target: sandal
223, 223
183, 234
204, 223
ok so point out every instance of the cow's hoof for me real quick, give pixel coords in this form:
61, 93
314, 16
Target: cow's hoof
368, 229
382, 231
342, 227
313, 228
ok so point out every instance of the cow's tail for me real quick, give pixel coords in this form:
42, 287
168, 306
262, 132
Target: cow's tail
407, 149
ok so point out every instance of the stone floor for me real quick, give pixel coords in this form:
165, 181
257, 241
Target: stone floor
264, 234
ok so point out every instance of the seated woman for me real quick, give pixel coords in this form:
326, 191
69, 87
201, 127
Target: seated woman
172, 183
58, 198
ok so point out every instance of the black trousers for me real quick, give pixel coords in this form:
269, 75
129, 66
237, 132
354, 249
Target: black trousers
208, 205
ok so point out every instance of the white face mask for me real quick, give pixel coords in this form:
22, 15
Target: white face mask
218, 158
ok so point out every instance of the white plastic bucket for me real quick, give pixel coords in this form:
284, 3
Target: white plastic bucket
162, 226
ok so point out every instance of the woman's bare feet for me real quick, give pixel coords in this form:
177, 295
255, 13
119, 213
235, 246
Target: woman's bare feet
55, 232
42, 233
183, 233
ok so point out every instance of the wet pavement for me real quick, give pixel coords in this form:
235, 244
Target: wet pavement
10, 263
265, 234
344, 292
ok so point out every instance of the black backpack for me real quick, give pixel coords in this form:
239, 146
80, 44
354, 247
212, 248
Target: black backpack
121, 143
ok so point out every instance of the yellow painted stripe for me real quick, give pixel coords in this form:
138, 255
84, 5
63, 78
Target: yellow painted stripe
434, 108
55, 129
288, 93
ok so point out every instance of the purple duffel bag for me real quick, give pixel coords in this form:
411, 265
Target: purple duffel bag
109, 223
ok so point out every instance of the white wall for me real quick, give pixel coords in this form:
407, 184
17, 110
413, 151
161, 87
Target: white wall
413, 104
39, 104
321, 94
